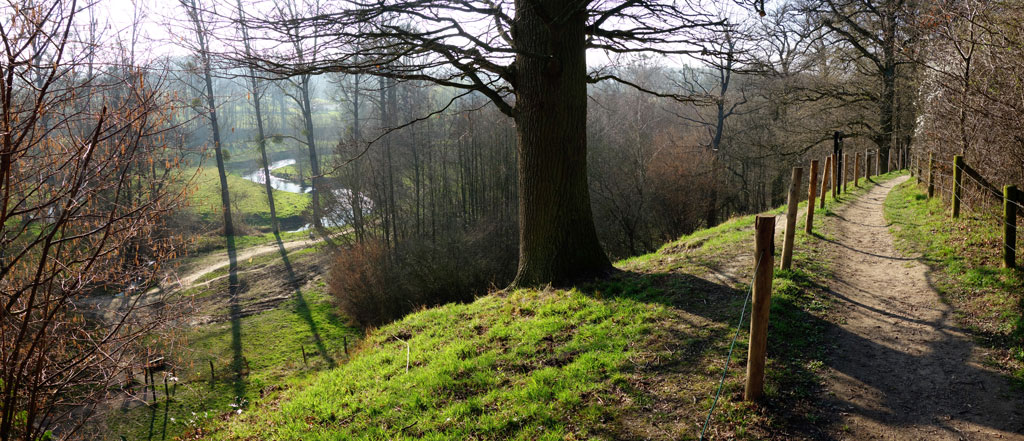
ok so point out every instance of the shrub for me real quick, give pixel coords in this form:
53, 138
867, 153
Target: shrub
374, 285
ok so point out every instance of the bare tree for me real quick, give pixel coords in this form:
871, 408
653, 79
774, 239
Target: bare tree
197, 18
70, 150
878, 34
529, 59
288, 11
256, 91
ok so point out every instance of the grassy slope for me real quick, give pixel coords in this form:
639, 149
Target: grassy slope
246, 195
635, 356
964, 257
270, 343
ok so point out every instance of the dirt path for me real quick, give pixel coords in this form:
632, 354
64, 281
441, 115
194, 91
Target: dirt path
215, 261
111, 307
901, 369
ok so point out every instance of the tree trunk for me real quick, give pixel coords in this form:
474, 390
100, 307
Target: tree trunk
314, 163
261, 140
355, 185
886, 113
557, 239
225, 199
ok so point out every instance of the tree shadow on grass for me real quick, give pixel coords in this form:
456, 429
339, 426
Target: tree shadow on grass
238, 362
796, 339
301, 306
799, 343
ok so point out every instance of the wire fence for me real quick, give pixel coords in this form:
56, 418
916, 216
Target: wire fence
969, 197
974, 197
728, 358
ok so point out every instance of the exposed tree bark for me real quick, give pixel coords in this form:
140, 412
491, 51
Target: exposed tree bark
557, 239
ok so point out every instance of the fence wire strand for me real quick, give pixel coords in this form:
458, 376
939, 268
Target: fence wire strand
728, 358
970, 207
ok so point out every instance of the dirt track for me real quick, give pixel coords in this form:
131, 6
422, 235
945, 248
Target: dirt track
901, 369
111, 307
218, 260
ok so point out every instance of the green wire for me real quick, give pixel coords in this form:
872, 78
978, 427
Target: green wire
739, 327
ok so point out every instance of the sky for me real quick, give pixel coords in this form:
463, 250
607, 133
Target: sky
163, 32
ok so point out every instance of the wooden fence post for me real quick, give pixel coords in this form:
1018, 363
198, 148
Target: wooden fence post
791, 206
1010, 226
931, 175
867, 165
878, 161
856, 170
958, 178
834, 182
813, 178
764, 243
846, 170
824, 181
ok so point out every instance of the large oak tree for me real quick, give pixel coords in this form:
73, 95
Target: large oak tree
529, 57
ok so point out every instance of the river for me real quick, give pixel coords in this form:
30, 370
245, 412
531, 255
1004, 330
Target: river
343, 195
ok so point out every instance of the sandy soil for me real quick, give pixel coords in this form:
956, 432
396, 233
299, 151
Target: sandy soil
901, 369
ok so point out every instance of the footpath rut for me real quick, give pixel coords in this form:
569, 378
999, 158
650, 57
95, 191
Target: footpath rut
901, 369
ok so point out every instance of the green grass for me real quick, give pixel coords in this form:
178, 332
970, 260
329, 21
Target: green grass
636, 355
964, 257
519, 366
247, 197
267, 355
288, 172
211, 243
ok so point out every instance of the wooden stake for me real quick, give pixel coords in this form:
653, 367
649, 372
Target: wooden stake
1009, 227
846, 170
834, 181
304, 361
931, 175
958, 178
824, 181
867, 165
878, 162
764, 245
213, 379
791, 206
856, 170
813, 177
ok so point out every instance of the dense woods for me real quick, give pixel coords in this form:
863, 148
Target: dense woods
442, 148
